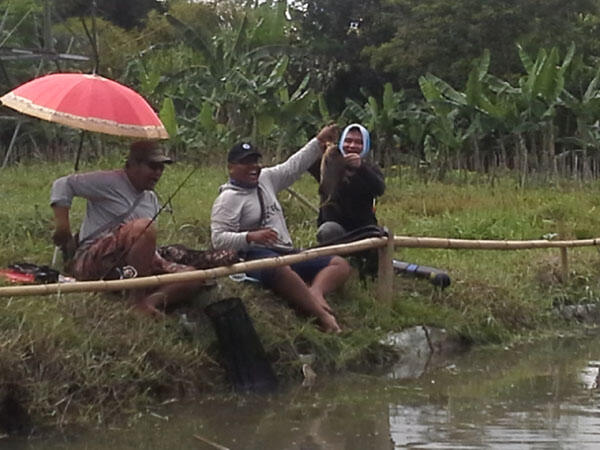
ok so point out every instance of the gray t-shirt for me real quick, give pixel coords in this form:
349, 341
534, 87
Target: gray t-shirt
109, 194
237, 209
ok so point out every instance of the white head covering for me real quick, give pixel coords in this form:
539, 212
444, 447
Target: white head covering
365, 137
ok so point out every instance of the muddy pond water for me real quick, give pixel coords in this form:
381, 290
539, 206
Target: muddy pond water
541, 396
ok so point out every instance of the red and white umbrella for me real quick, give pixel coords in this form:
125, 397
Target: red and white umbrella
87, 102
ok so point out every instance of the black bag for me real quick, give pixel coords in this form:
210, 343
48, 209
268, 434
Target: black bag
245, 360
41, 274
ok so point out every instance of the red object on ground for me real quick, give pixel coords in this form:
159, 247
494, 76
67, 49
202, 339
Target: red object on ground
17, 277
87, 102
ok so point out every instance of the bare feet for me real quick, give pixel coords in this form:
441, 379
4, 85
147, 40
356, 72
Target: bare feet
329, 324
149, 305
148, 310
321, 300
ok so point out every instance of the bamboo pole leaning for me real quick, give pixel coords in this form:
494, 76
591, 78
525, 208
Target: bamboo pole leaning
195, 275
341, 249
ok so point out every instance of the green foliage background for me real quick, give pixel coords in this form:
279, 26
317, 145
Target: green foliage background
492, 87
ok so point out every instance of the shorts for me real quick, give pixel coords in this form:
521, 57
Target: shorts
307, 270
99, 259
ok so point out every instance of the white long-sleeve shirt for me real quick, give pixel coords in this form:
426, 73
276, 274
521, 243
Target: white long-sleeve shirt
237, 209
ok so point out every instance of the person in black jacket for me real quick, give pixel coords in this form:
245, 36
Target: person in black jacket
348, 204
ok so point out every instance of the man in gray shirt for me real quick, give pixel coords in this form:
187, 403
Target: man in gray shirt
118, 227
247, 217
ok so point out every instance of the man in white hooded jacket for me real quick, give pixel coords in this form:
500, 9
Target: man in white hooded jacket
247, 217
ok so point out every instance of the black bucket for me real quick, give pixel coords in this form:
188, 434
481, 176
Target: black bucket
244, 356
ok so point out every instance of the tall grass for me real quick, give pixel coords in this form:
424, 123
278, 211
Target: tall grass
87, 358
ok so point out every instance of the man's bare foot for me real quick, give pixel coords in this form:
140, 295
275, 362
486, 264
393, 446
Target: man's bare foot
148, 305
148, 309
321, 300
329, 324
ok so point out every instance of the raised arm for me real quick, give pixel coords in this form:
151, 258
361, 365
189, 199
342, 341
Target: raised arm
285, 174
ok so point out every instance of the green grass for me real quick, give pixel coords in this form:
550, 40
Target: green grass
86, 358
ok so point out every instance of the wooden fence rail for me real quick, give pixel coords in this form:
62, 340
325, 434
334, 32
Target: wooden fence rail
341, 249
473, 244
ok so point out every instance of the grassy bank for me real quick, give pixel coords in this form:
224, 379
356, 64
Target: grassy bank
86, 358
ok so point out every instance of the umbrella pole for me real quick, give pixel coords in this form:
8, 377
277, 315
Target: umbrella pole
12, 143
76, 168
55, 256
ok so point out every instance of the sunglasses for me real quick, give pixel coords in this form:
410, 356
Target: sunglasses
153, 165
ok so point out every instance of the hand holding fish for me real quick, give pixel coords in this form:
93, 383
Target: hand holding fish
264, 236
328, 134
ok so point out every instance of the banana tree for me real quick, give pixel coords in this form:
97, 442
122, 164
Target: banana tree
452, 124
524, 113
284, 116
234, 73
586, 111
540, 94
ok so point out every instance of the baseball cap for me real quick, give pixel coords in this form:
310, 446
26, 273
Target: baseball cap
148, 151
240, 151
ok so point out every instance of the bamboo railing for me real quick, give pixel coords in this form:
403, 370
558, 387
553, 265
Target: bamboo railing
385, 274
195, 275
473, 244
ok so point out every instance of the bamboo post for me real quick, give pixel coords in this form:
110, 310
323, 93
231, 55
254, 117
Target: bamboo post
564, 257
385, 275
564, 264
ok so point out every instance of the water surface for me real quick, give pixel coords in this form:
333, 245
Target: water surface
540, 396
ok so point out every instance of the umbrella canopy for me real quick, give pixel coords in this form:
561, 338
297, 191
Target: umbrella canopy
87, 102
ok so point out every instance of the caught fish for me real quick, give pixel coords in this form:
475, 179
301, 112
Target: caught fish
200, 259
333, 171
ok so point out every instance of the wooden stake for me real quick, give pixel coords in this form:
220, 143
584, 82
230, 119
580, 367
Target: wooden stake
564, 265
564, 258
385, 275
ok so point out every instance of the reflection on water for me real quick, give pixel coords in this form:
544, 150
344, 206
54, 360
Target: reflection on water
541, 396
590, 375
